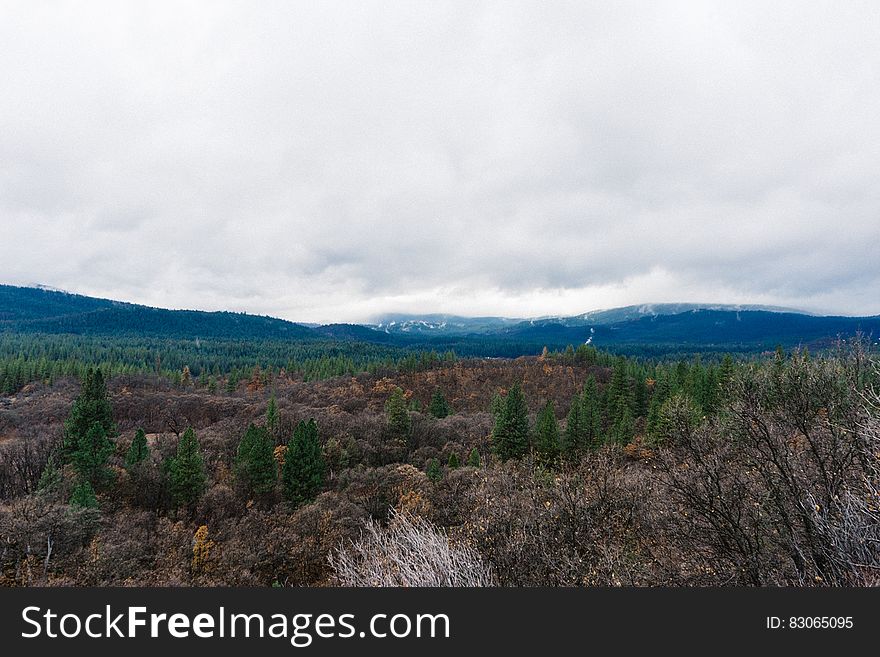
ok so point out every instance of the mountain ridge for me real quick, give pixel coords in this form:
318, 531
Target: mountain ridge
662, 328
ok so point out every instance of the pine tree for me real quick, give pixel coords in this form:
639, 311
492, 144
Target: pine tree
453, 461
640, 398
187, 471
547, 435
303, 473
624, 425
255, 467
272, 417
619, 390
397, 414
91, 406
84, 496
439, 407
497, 407
573, 437
433, 470
50, 478
591, 413
620, 404
139, 451
474, 458
93, 449
725, 375
510, 436
662, 392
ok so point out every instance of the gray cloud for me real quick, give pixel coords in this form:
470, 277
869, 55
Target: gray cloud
334, 162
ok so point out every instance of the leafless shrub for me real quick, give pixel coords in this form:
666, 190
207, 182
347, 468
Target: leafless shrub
774, 492
580, 526
409, 551
850, 524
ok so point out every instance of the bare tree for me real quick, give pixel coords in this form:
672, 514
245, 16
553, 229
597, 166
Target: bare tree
409, 551
850, 524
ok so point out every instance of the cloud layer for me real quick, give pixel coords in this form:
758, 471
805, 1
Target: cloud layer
339, 161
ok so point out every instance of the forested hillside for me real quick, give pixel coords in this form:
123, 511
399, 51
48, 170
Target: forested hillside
45, 334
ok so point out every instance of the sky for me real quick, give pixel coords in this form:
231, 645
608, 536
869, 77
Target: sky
335, 161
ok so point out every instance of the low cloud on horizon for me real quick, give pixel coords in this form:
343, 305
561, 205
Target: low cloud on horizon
340, 161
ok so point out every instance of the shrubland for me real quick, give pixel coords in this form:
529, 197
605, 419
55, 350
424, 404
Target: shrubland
572, 468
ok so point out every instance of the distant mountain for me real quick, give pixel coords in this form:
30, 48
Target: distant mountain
659, 328
435, 324
457, 325
628, 313
703, 330
38, 310
652, 329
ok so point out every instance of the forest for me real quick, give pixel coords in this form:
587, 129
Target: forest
576, 467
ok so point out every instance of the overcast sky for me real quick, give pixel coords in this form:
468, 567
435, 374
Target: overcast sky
327, 161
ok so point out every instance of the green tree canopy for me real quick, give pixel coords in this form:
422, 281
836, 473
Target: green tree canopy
187, 471
397, 414
50, 478
90, 457
272, 421
255, 467
510, 437
439, 407
303, 473
547, 435
83, 496
433, 470
139, 451
91, 406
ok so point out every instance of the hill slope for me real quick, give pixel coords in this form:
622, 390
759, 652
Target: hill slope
649, 329
34, 310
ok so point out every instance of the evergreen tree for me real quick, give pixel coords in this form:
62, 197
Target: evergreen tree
50, 478
652, 425
255, 467
619, 390
573, 437
93, 449
726, 373
679, 416
640, 399
620, 404
303, 473
83, 496
591, 413
510, 436
272, 417
474, 458
397, 414
439, 407
139, 451
453, 461
584, 424
433, 471
624, 425
187, 471
547, 435
662, 392
497, 406
91, 406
